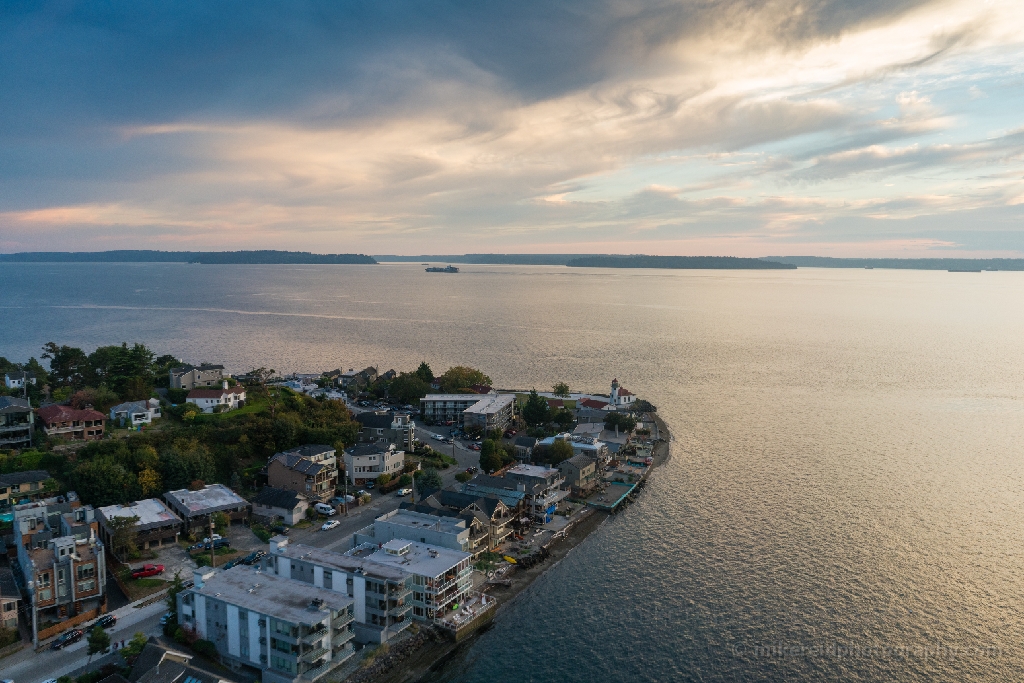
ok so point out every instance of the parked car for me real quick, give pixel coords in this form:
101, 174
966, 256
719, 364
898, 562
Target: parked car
472, 470
403, 492
219, 543
325, 509
147, 570
215, 537
280, 529
106, 621
509, 433
330, 524
473, 447
362, 492
369, 485
167, 617
252, 558
188, 584
66, 638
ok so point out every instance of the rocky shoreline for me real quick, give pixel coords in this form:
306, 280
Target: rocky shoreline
416, 658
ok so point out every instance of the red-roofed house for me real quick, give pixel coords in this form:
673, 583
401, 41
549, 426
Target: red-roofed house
217, 400
592, 404
66, 422
480, 389
621, 398
555, 403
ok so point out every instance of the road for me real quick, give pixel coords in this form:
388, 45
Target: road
28, 666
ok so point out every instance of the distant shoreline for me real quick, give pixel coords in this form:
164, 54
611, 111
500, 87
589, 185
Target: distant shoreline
258, 257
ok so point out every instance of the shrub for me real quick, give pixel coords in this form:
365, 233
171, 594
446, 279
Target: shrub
205, 648
463, 477
384, 479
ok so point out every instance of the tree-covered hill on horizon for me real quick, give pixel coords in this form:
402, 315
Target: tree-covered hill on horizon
262, 256
679, 262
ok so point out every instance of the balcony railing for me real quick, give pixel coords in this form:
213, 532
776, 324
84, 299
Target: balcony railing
313, 655
316, 672
342, 619
314, 635
342, 638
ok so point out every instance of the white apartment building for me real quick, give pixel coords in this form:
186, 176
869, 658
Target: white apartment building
366, 462
441, 531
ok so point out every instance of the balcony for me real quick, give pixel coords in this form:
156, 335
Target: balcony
341, 638
342, 653
342, 620
314, 635
314, 655
317, 672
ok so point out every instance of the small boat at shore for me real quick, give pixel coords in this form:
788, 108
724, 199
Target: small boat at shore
436, 269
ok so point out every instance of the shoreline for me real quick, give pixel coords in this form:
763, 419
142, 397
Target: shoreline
431, 658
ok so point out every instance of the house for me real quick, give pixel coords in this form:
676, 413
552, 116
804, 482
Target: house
69, 423
36, 523
66, 583
489, 508
17, 421
613, 439
311, 470
493, 411
580, 472
388, 376
218, 400
18, 487
441, 577
272, 503
17, 379
158, 664
157, 525
542, 488
481, 388
509, 493
193, 377
135, 413
620, 398
382, 607
358, 379
581, 445
287, 630
476, 522
10, 596
443, 531
196, 507
382, 427
365, 463
524, 446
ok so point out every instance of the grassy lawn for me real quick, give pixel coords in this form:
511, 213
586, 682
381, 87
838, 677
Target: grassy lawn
140, 588
250, 408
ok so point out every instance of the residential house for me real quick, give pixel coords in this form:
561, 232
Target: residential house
65, 581
272, 503
381, 594
218, 400
581, 445
194, 377
613, 439
10, 597
22, 487
159, 664
440, 576
488, 508
493, 411
481, 388
580, 472
287, 630
475, 522
388, 376
441, 531
196, 507
511, 494
311, 470
37, 522
17, 379
135, 413
383, 427
17, 422
157, 525
592, 410
524, 446
542, 486
69, 423
361, 378
364, 463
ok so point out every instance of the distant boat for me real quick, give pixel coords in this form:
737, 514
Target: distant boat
449, 269
964, 270
869, 267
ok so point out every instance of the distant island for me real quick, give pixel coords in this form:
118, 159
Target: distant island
679, 262
488, 259
263, 256
954, 264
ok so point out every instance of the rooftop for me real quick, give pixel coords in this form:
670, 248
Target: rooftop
56, 413
369, 449
14, 405
580, 461
417, 558
343, 562
281, 598
453, 397
491, 403
278, 498
149, 511
15, 478
311, 450
211, 498
8, 588
421, 520
215, 393
538, 471
375, 420
492, 486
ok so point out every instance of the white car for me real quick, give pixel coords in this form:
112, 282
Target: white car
215, 537
437, 437
330, 524
403, 492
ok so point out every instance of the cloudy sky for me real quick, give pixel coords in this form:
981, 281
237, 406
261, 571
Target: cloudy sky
733, 127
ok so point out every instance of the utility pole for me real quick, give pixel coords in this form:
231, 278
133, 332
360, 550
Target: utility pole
213, 546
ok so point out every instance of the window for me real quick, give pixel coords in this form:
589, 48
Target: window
86, 586
281, 663
86, 571
44, 579
45, 594
10, 606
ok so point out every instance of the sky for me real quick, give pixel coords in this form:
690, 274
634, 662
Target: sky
690, 127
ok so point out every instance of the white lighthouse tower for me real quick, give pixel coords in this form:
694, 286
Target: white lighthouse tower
620, 396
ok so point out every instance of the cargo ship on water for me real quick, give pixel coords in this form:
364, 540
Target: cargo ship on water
448, 269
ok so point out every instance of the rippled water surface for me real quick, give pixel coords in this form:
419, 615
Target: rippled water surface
844, 496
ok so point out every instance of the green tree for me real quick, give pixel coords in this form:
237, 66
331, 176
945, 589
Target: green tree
69, 366
124, 537
535, 410
559, 451
104, 481
563, 418
429, 480
560, 389
135, 646
424, 373
642, 406
624, 422
184, 462
384, 479
177, 585
99, 641
463, 477
408, 388
150, 482
462, 377
220, 522
490, 456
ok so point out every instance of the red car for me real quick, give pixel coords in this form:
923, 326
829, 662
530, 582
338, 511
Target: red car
147, 570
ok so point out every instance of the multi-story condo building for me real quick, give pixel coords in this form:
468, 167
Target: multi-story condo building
191, 377
289, 631
366, 462
383, 427
311, 470
381, 594
65, 581
447, 407
493, 411
438, 530
541, 486
69, 423
16, 422
441, 576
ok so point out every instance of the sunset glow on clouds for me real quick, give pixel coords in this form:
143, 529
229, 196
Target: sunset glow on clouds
853, 127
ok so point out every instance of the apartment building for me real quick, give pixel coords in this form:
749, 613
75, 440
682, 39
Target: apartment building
447, 407
192, 377
18, 487
541, 486
443, 531
493, 411
381, 594
366, 462
311, 470
70, 423
287, 630
17, 420
383, 427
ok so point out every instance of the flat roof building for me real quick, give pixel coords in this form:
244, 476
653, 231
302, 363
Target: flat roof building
156, 527
441, 531
493, 411
195, 507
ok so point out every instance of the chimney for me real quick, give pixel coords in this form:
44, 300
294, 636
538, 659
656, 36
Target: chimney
225, 385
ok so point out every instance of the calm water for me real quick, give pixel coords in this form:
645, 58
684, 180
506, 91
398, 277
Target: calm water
844, 499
